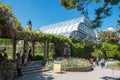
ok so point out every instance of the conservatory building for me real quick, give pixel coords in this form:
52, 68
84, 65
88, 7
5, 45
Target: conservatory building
78, 29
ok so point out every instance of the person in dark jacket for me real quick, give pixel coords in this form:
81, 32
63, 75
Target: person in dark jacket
18, 63
30, 55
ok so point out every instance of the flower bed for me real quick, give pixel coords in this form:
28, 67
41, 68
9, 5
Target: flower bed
72, 64
115, 66
82, 69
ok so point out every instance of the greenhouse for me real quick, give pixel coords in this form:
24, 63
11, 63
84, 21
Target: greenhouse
78, 29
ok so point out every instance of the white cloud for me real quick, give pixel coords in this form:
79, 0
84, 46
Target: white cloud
110, 29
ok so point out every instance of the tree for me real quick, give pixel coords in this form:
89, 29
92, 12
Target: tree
102, 12
106, 50
118, 27
111, 49
108, 36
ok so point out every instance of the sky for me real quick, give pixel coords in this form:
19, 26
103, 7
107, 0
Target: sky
45, 12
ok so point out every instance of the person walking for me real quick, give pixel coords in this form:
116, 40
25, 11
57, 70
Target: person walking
1, 58
102, 61
24, 56
97, 62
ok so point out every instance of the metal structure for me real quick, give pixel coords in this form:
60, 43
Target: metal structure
78, 29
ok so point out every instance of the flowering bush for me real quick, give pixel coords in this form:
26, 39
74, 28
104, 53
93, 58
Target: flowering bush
71, 63
115, 65
74, 63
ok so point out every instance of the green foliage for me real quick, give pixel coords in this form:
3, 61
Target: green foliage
98, 53
111, 49
17, 24
5, 41
108, 36
39, 48
5, 6
38, 57
30, 32
87, 51
81, 50
68, 4
77, 50
107, 50
51, 54
59, 43
59, 49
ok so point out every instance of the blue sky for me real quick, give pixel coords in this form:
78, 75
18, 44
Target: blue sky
44, 12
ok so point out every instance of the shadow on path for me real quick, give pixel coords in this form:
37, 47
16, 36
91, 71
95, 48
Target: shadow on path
110, 78
36, 76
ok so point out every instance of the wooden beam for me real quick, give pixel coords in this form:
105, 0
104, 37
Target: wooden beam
45, 50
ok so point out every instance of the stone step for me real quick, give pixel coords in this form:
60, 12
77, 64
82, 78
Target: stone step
24, 68
33, 66
32, 69
35, 71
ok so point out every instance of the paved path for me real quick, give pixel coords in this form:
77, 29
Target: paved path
97, 74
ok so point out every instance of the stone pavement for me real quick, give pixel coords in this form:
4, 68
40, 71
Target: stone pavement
97, 74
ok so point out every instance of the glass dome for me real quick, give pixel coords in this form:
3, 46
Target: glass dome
78, 29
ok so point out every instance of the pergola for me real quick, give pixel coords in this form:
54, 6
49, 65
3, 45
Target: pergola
10, 28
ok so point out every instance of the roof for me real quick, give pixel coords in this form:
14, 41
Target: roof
66, 27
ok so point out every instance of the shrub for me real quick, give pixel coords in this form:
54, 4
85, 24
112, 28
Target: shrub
98, 54
80, 50
111, 49
6, 70
38, 57
77, 50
